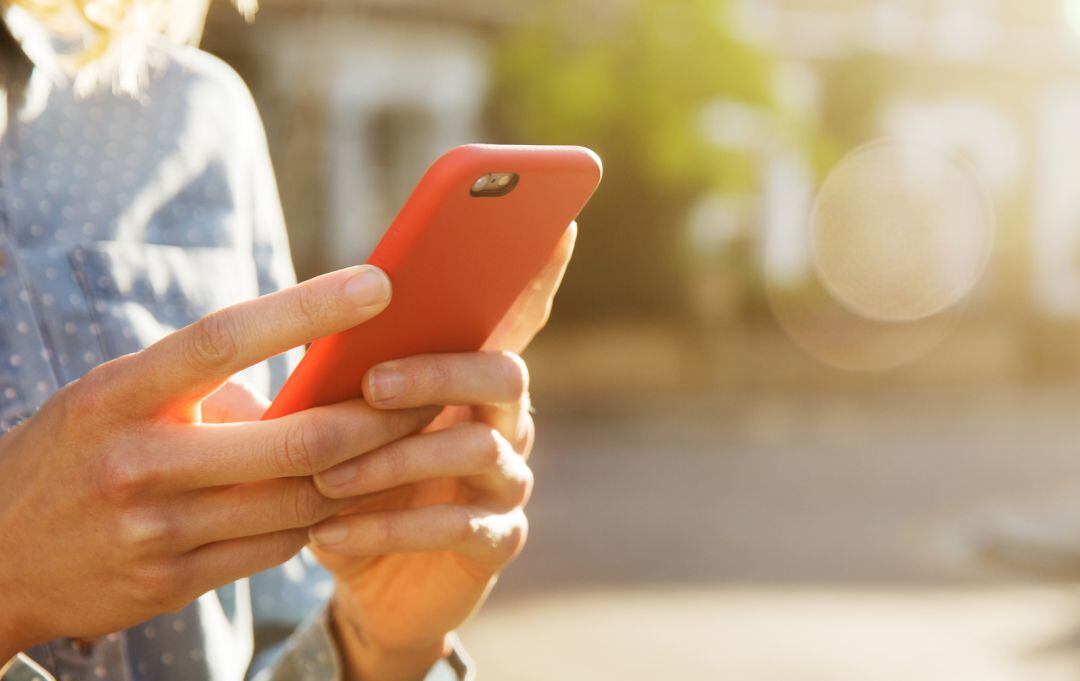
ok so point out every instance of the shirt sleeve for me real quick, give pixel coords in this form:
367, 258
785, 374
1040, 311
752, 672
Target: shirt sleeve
312, 654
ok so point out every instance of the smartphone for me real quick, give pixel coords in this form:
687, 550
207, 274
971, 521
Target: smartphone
476, 230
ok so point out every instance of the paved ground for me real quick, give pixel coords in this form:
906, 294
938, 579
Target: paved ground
824, 536
782, 635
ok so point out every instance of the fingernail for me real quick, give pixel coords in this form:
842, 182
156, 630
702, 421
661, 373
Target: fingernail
368, 286
338, 475
329, 534
385, 384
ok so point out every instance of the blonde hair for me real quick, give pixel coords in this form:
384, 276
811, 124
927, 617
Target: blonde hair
117, 34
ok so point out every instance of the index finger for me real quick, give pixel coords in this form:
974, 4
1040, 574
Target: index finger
297, 445
191, 363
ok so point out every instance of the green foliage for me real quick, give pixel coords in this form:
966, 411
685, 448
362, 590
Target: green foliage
631, 84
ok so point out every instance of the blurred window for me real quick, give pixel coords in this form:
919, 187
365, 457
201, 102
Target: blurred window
402, 143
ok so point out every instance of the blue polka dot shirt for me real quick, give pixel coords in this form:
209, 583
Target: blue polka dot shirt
122, 219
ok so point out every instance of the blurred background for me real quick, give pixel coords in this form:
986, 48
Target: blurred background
809, 407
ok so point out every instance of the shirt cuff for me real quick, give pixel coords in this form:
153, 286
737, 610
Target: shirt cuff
22, 668
312, 653
457, 666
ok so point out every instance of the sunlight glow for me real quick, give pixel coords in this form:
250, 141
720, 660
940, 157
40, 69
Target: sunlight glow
1072, 15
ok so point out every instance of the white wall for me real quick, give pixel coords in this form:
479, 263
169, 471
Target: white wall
358, 67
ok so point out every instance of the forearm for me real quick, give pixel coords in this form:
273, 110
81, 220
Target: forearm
363, 660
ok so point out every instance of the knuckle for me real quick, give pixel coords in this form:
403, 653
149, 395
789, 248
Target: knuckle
300, 446
121, 477
437, 376
523, 484
517, 536
98, 376
487, 445
140, 529
515, 373
499, 539
101, 393
212, 341
528, 434
87, 399
462, 526
513, 473
304, 505
388, 531
161, 585
310, 307
393, 464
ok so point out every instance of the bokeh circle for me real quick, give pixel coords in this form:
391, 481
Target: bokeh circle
898, 237
900, 231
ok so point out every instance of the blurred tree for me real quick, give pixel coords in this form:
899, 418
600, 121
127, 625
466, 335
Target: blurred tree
631, 80
855, 92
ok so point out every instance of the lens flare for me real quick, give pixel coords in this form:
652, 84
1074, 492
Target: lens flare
900, 232
898, 237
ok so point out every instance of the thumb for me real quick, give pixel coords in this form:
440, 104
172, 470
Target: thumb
532, 308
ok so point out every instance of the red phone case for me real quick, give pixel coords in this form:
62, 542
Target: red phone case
457, 263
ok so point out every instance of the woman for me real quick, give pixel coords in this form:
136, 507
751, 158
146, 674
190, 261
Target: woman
138, 490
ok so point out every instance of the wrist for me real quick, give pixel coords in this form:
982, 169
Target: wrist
11, 641
15, 637
17, 633
364, 659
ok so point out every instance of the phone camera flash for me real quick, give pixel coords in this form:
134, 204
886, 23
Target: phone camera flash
494, 184
481, 183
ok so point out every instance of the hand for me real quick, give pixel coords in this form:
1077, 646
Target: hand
119, 501
413, 562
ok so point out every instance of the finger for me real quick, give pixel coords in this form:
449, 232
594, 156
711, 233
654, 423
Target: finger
513, 422
497, 380
223, 513
299, 444
468, 378
473, 452
537, 297
531, 310
234, 402
193, 362
227, 561
491, 538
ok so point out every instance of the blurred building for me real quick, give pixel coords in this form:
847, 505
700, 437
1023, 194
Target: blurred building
996, 82
358, 97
